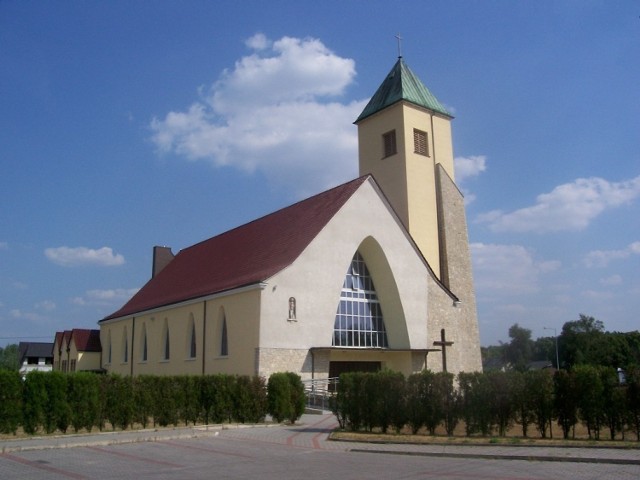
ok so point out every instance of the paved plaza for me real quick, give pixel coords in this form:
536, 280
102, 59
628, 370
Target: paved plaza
292, 452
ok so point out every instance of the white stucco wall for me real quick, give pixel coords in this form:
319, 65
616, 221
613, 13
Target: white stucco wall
315, 279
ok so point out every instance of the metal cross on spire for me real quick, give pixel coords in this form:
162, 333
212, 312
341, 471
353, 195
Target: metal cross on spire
399, 38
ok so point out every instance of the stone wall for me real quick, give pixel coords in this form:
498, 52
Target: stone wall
460, 322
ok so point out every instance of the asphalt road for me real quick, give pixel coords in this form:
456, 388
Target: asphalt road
294, 452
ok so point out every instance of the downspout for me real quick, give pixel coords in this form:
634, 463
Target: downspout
204, 335
133, 337
313, 364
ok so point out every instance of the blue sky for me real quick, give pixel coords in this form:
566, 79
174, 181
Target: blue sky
125, 125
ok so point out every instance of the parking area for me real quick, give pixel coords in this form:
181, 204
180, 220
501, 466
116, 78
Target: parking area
285, 452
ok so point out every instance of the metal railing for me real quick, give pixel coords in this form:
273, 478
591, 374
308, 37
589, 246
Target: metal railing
319, 392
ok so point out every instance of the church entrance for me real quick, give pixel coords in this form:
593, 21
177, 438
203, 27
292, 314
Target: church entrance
336, 368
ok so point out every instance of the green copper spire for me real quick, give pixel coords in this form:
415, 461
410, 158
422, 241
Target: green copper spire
402, 84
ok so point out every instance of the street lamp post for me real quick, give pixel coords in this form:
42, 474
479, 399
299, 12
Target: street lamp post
555, 335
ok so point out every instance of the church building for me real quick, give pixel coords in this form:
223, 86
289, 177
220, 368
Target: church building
372, 274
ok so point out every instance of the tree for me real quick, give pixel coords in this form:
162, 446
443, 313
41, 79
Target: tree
539, 391
589, 393
579, 341
565, 401
519, 351
9, 358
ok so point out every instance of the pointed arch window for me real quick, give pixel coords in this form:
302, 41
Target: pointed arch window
125, 346
143, 343
359, 322
191, 346
166, 343
109, 347
224, 342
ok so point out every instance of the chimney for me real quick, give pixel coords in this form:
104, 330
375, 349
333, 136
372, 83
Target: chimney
162, 256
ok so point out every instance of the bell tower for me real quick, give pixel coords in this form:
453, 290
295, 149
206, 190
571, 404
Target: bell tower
404, 141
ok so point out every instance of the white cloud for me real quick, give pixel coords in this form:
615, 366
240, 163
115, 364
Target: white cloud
78, 256
601, 258
568, 207
258, 42
272, 112
467, 167
611, 281
29, 316
507, 269
108, 297
46, 305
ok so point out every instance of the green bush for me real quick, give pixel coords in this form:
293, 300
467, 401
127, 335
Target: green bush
34, 401
565, 401
249, 399
10, 401
143, 398
216, 397
279, 395
119, 401
298, 397
83, 396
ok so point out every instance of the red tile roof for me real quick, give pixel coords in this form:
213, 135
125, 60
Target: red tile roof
86, 340
243, 256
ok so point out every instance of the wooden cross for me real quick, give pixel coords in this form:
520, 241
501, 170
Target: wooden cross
443, 344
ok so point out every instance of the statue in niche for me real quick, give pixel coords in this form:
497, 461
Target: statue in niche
292, 308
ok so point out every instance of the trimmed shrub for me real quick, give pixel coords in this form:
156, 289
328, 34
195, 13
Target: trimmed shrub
216, 397
279, 396
83, 397
565, 401
34, 402
10, 401
417, 388
119, 401
249, 399
298, 397
538, 390
143, 398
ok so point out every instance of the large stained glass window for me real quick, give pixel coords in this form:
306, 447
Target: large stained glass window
359, 321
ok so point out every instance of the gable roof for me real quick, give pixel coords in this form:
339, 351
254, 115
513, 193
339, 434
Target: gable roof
243, 256
34, 349
402, 84
86, 340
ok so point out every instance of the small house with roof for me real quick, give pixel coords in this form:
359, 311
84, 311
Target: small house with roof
77, 350
35, 356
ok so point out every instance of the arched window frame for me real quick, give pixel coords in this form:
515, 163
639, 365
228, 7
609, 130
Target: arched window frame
359, 321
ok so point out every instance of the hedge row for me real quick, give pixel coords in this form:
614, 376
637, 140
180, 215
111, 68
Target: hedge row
491, 403
54, 401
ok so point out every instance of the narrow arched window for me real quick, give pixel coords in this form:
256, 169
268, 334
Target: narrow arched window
359, 322
166, 343
109, 347
224, 341
191, 346
125, 346
143, 343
